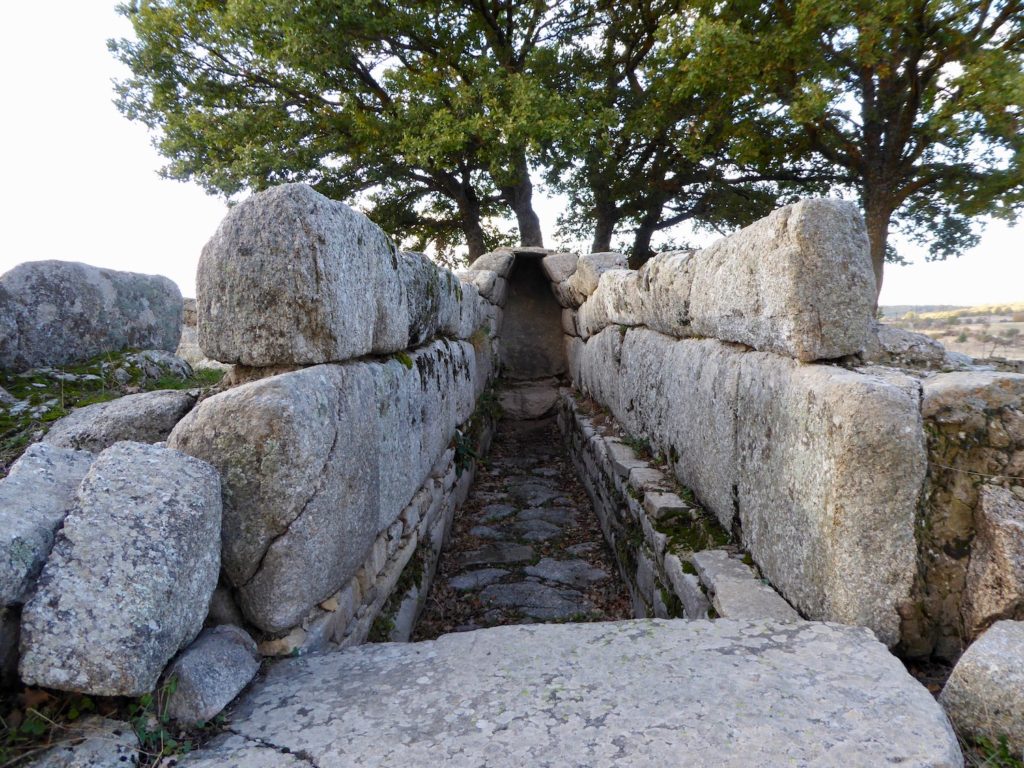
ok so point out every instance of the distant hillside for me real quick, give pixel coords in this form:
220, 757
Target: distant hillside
899, 310
947, 312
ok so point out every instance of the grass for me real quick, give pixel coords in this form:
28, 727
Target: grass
50, 397
37, 720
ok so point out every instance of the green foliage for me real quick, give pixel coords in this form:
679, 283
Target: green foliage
995, 754
38, 722
643, 114
465, 451
918, 107
427, 112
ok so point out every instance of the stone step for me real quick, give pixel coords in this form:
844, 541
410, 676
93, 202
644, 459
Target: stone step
630, 693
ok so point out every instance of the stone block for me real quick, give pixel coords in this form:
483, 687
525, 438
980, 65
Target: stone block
291, 277
59, 312
147, 417
130, 577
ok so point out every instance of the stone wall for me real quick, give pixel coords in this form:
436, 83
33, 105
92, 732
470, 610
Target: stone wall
675, 558
351, 441
847, 464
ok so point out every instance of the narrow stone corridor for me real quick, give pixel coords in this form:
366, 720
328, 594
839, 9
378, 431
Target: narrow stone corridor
526, 547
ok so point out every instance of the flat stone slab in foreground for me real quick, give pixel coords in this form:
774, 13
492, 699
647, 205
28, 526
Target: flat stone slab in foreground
631, 693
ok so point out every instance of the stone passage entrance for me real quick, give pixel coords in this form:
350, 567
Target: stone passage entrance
526, 547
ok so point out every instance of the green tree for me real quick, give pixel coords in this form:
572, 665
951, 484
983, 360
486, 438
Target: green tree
432, 110
920, 103
660, 141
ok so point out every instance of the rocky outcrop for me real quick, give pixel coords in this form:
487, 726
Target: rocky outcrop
889, 345
798, 282
210, 673
723, 693
317, 462
35, 497
984, 695
130, 576
147, 417
292, 277
58, 312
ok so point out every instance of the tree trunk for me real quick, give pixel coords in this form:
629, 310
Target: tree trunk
469, 215
605, 219
519, 196
877, 213
642, 239
474, 237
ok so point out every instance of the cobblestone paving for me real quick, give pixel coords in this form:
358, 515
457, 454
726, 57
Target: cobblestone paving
526, 547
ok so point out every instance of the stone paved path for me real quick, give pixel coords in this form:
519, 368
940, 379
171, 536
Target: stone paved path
526, 547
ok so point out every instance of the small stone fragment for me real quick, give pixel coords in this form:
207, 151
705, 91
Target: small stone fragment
210, 673
984, 695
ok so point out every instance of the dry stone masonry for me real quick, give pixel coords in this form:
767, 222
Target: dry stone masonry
765, 465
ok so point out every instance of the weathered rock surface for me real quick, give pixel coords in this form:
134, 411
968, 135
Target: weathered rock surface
210, 673
974, 425
529, 400
995, 576
636, 693
984, 695
590, 267
35, 497
500, 262
93, 742
147, 417
292, 277
823, 465
830, 467
57, 312
231, 751
798, 282
130, 576
735, 593
889, 345
317, 462
559, 266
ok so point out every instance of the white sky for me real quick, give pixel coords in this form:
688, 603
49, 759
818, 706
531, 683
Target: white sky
81, 180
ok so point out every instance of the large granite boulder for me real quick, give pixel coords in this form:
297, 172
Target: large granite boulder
147, 417
35, 497
590, 267
66, 312
830, 468
629, 693
130, 576
798, 282
317, 462
889, 345
291, 277
984, 695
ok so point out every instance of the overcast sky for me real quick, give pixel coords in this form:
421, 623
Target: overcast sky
80, 181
